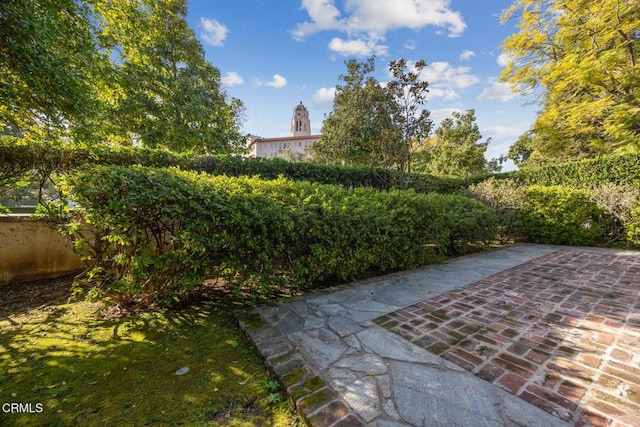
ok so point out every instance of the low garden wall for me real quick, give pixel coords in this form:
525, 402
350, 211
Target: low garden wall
31, 249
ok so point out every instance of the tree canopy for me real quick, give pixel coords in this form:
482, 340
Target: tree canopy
410, 94
125, 71
455, 149
374, 124
359, 130
49, 65
169, 95
581, 58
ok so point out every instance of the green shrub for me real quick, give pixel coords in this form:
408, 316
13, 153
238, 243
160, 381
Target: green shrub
347, 176
506, 198
467, 222
619, 201
561, 215
602, 215
19, 157
16, 159
162, 231
633, 228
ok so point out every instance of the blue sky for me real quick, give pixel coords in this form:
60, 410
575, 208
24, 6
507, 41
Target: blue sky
272, 54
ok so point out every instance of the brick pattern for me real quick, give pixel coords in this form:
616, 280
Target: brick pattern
315, 401
561, 332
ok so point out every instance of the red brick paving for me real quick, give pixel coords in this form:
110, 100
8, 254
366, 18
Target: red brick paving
561, 332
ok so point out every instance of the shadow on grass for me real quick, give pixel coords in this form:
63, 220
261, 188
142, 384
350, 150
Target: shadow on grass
90, 371
21, 297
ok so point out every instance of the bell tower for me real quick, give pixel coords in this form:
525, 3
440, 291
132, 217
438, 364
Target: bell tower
300, 123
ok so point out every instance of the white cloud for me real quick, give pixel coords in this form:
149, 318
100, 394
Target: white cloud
370, 20
277, 82
324, 16
324, 96
232, 78
356, 47
446, 94
466, 55
214, 32
410, 44
437, 116
498, 91
444, 79
504, 131
503, 59
379, 16
444, 75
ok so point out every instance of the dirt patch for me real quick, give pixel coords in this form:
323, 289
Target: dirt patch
23, 296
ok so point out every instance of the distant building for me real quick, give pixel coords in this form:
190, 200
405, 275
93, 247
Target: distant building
300, 140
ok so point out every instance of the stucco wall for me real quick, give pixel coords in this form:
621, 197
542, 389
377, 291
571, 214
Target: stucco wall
30, 249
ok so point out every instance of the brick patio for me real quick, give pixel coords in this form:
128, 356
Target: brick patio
561, 332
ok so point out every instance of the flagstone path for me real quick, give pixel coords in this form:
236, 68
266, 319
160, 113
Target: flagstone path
528, 335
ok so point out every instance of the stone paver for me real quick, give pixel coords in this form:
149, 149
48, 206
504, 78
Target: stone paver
342, 368
561, 332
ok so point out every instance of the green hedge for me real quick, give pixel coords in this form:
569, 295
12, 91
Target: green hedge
620, 170
562, 216
605, 215
23, 154
162, 231
590, 202
348, 176
19, 157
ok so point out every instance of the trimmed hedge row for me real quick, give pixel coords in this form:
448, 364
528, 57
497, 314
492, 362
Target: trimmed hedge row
18, 157
621, 170
162, 231
590, 202
347, 176
605, 215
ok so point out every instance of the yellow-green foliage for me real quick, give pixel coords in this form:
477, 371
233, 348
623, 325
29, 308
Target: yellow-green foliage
583, 56
163, 230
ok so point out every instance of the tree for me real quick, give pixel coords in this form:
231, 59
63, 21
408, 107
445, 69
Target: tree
521, 150
581, 58
455, 150
122, 71
373, 124
360, 129
169, 95
49, 66
413, 122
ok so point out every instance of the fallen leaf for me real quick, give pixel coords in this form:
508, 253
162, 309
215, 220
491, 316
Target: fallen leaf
245, 381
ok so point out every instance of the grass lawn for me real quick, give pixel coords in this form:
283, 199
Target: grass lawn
84, 369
